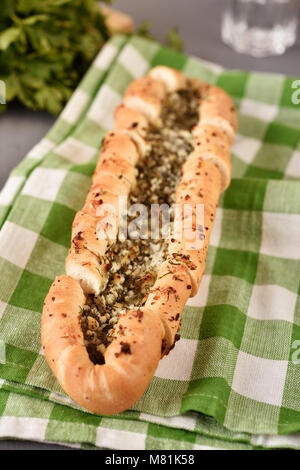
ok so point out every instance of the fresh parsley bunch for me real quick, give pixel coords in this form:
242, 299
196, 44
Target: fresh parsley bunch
45, 48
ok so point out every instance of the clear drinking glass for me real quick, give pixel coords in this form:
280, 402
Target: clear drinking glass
260, 28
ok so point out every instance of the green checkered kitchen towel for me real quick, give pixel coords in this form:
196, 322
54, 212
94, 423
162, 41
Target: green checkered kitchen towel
233, 378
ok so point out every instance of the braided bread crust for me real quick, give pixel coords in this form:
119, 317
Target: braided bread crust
142, 336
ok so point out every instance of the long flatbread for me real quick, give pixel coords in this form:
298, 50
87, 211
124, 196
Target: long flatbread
117, 312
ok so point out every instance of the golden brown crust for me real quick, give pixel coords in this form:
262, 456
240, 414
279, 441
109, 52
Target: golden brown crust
167, 298
172, 79
116, 166
145, 95
115, 184
217, 109
130, 360
84, 235
197, 196
131, 120
141, 336
114, 176
133, 124
106, 208
88, 269
119, 145
212, 144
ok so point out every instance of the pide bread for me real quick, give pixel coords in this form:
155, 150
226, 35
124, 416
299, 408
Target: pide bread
139, 243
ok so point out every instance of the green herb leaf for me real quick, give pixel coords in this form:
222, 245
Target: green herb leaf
46, 47
144, 29
8, 36
174, 41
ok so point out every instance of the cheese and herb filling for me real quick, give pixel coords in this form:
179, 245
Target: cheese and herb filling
133, 263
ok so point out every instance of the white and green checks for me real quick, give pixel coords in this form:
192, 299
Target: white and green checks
233, 379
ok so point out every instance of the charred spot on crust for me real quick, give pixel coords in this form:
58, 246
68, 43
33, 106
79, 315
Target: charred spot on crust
177, 338
139, 315
121, 330
163, 345
125, 349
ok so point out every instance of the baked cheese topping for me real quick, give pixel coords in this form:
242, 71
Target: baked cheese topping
133, 263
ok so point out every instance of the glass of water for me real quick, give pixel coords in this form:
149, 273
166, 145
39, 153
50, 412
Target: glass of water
260, 28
